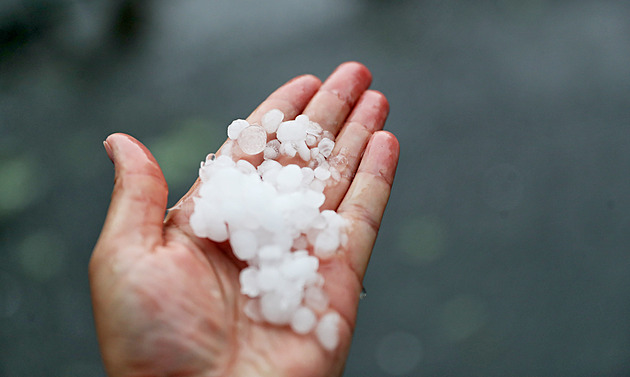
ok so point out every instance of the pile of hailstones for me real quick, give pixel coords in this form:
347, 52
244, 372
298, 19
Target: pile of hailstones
271, 216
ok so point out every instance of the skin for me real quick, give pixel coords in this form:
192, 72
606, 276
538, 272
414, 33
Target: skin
167, 303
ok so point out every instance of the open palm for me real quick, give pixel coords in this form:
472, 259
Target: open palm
167, 303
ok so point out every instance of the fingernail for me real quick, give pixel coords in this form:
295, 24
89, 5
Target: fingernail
108, 149
380, 156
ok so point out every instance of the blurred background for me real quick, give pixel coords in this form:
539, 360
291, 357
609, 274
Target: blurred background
505, 249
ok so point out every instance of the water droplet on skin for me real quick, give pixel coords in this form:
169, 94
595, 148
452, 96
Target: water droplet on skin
363, 293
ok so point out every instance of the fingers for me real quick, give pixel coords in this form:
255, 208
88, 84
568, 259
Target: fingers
367, 117
335, 99
367, 197
139, 198
291, 98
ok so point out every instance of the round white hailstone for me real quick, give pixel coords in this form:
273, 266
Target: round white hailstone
272, 150
326, 244
244, 244
223, 162
305, 217
303, 320
303, 119
252, 139
319, 223
252, 310
271, 120
289, 178
268, 165
327, 330
322, 173
270, 176
316, 299
235, 128
205, 223
245, 167
317, 160
311, 140
276, 308
314, 199
313, 132
307, 176
333, 219
326, 146
272, 221
303, 151
316, 280
268, 278
288, 149
270, 253
283, 240
318, 185
291, 131
249, 281
296, 268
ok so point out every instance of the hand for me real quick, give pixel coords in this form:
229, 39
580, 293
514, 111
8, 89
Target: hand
167, 303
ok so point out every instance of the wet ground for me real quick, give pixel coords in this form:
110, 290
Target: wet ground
504, 250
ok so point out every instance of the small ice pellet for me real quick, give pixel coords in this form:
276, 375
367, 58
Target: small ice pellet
311, 140
303, 119
318, 185
244, 244
303, 320
272, 150
326, 244
252, 139
268, 278
289, 178
327, 331
291, 130
303, 151
205, 225
270, 253
326, 146
271, 120
249, 282
299, 267
235, 128
314, 198
288, 149
307, 176
276, 308
322, 173
246, 167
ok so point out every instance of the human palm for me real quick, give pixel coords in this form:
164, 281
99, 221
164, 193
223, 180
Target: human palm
167, 303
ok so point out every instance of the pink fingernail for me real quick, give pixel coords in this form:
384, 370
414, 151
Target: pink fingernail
108, 149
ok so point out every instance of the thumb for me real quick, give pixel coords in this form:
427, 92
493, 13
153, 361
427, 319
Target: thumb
138, 203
